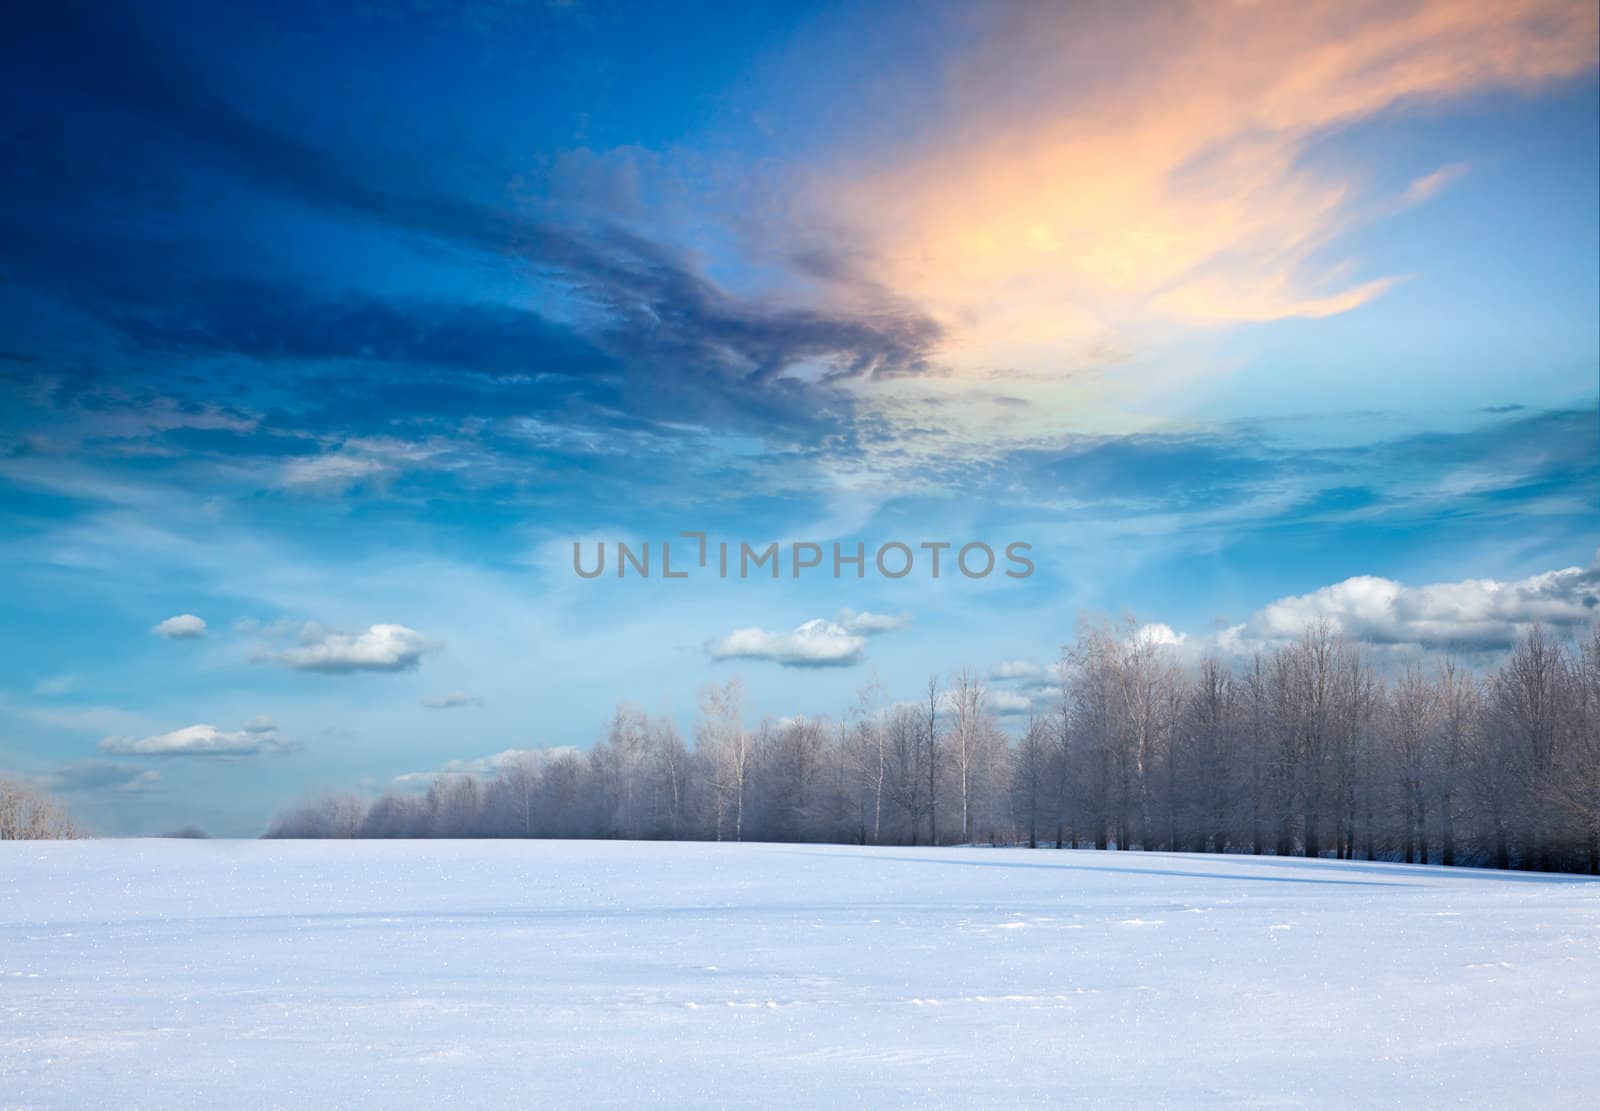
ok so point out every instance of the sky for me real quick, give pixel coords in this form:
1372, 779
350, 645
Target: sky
326, 333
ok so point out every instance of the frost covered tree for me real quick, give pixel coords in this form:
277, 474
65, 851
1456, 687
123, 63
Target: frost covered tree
965, 744
722, 738
28, 814
931, 755
1032, 778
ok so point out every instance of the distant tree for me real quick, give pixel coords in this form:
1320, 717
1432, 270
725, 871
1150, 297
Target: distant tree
1577, 784
28, 814
867, 757
671, 772
965, 744
1529, 713
1460, 700
514, 801
189, 832
1060, 761
931, 755
1204, 764
722, 737
1032, 779
327, 816
1413, 721
907, 750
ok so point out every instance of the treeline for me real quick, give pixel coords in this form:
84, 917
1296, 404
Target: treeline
1304, 750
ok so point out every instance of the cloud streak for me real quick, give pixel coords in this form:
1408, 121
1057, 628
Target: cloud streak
101, 775
451, 701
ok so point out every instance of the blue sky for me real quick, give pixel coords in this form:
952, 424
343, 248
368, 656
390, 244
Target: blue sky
319, 325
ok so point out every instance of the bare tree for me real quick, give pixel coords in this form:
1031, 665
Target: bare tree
906, 747
1204, 766
327, 816
868, 752
965, 741
518, 781
1414, 716
1528, 712
722, 736
1460, 710
931, 758
28, 814
1577, 787
1061, 760
1033, 776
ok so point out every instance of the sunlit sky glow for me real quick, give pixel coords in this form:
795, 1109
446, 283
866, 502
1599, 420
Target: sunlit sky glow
330, 332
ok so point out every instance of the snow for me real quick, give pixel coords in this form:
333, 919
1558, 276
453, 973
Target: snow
269, 974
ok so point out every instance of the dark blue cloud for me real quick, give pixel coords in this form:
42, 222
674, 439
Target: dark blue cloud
90, 218
1189, 469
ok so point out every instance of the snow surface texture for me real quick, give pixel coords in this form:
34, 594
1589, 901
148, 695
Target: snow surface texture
561, 974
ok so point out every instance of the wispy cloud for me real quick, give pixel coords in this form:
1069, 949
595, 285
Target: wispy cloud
51, 685
335, 472
100, 775
1431, 185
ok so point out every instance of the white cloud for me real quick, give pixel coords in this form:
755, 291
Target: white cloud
1160, 634
182, 627
871, 624
260, 735
817, 643
1008, 703
1026, 678
486, 765
451, 701
379, 648
1017, 669
1471, 615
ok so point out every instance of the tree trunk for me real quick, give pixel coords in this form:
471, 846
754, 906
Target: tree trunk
1447, 831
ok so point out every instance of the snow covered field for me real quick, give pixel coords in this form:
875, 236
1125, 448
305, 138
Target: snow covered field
545, 974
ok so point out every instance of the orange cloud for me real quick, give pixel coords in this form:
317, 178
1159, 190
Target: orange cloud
1101, 167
